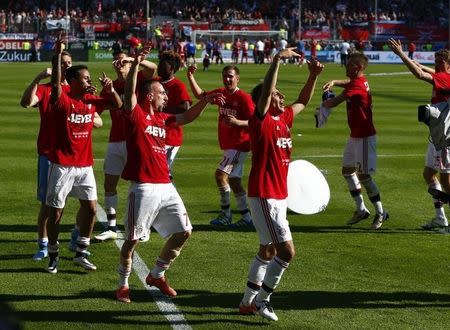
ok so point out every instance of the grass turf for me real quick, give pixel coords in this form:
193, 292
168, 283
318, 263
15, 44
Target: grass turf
342, 277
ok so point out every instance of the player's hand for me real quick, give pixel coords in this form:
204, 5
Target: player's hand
315, 67
106, 82
215, 98
288, 52
60, 43
143, 53
191, 70
91, 89
395, 46
327, 86
45, 73
231, 120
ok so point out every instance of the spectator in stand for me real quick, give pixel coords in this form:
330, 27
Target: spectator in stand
345, 47
259, 47
411, 49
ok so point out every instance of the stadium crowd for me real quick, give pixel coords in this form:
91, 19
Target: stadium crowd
28, 16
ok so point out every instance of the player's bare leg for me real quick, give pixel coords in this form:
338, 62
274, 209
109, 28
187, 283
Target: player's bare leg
439, 220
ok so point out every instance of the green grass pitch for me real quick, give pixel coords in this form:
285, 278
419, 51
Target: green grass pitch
342, 277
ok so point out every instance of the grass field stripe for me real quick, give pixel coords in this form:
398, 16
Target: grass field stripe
302, 157
389, 73
165, 305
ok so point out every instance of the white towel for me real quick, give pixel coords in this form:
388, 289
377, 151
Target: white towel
321, 115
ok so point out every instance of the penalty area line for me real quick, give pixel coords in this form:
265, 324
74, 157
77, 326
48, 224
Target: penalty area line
165, 304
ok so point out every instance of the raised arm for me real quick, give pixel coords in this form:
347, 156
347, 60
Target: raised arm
108, 87
56, 70
194, 111
270, 81
306, 93
130, 98
416, 70
29, 98
195, 88
339, 83
334, 101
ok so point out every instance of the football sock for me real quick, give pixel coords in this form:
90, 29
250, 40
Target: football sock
124, 274
225, 192
42, 243
274, 272
82, 245
256, 275
160, 267
354, 187
438, 206
374, 194
110, 209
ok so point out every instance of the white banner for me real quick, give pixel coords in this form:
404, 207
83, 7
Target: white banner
390, 57
56, 24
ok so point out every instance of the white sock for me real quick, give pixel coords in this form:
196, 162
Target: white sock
124, 274
110, 209
274, 272
225, 192
256, 275
160, 267
354, 186
438, 206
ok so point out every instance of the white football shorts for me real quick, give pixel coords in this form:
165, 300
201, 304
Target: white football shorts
361, 153
269, 219
63, 181
233, 162
115, 158
158, 205
171, 152
438, 160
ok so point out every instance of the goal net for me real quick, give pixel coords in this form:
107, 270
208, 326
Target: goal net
226, 38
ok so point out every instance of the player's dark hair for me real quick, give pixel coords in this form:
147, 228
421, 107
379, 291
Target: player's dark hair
444, 53
118, 52
147, 86
172, 58
256, 93
231, 67
66, 53
74, 72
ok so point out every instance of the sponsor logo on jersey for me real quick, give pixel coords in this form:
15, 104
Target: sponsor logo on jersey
227, 112
78, 118
156, 131
284, 143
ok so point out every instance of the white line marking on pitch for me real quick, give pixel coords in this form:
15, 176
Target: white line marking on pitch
166, 306
302, 157
389, 73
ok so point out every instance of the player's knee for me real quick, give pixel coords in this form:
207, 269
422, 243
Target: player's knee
267, 252
236, 184
221, 177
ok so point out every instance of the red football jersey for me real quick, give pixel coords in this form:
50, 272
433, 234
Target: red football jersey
240, 105
177, 93
271, 153
359, 108
73, 121
46, 133
146, 152
117, 132
441, 87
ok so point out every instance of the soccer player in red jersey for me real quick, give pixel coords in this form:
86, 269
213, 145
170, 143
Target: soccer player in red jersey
152, 200
267, 185
435, 160
234, 140
116, 154
179, 100
71, 157
37, 94
359, 160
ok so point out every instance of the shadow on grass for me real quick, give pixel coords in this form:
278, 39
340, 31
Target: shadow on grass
210, 302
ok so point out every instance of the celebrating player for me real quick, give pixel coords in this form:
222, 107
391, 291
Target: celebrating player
435, 161
152, 199
71, 155
116, 154
267, 187
359, 160
234, 140
178, 102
